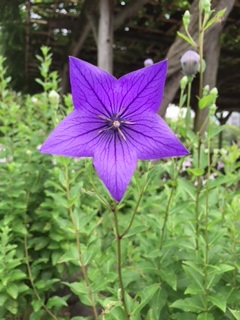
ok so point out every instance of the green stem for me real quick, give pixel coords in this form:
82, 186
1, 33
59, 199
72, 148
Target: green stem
78, 243
205, 269
200, 45
133, 215
199, 187
166, 217
188, 115
119, 260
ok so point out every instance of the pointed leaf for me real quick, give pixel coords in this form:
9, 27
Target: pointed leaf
186, 38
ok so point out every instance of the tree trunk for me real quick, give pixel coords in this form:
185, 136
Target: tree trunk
88, 20
105, 35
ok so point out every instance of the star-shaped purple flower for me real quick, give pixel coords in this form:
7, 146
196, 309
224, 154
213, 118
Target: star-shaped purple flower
115, 122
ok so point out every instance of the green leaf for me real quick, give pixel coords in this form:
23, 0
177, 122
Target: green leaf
12, 290
205, 316
206, 101
215, 19
81, 291
3, 298
118, 313
135, 230
16, 275
196, 171
218, 300
12, 307
193, 304
225, 268
170, 277
56, 302
235, 313
213, 131
184, 37
70, 255
37, 305
145, 296
186, 187
158, 301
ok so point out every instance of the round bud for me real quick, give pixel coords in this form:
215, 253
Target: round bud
54, 97
190, 62
148, 62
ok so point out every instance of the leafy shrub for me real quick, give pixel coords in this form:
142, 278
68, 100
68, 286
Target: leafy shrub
180, 259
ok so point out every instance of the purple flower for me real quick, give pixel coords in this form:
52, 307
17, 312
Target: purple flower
115, 122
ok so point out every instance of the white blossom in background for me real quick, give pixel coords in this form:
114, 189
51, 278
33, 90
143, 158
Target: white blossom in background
174, 112
34, 99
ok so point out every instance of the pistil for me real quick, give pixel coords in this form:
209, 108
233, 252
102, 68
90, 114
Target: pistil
115, 124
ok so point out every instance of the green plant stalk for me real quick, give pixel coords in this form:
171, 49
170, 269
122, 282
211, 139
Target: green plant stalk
189, 90
205, 268
29, 267
133, 215
200, 51
200, 94
78, 244
181, 98
119, 260
103, 201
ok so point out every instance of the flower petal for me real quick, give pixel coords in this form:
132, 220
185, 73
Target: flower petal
142, 90
115, 163
153, 139
92, 88
75, 136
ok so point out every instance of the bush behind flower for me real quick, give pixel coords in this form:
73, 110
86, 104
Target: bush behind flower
165, 267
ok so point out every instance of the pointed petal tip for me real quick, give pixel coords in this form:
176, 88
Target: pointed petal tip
183, 152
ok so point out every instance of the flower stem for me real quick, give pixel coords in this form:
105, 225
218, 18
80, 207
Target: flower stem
78, 243
188, 115
119, 259
133, 215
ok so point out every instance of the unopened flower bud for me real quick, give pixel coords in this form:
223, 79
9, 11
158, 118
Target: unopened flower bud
205, 5
212, 109
190, 62
214, 92
54, 97
28, 152
206, 90
186, 19
183, 82
148, 62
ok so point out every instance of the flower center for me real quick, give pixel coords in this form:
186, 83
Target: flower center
115, 123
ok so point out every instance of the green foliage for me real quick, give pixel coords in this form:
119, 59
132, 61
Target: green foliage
180, 258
